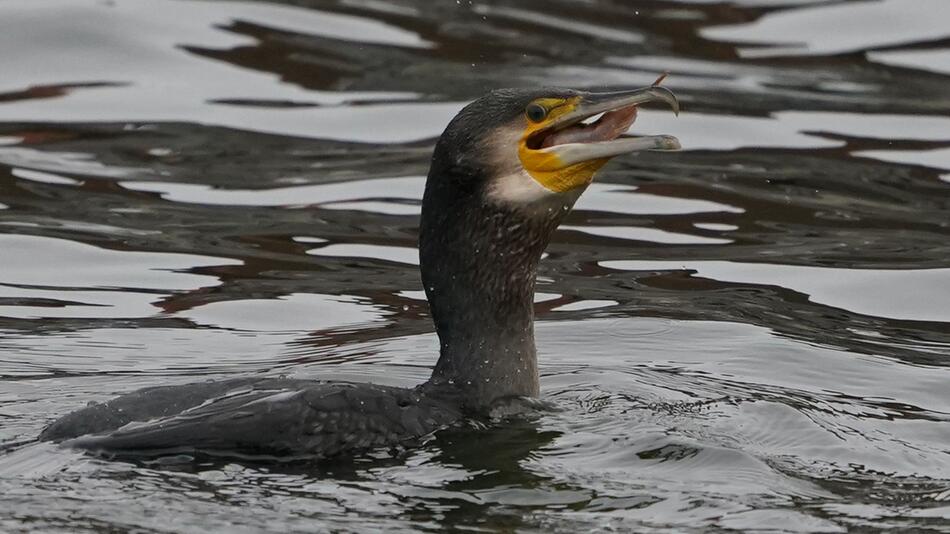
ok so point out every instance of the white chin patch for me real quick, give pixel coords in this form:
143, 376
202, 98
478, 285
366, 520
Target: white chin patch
518, 188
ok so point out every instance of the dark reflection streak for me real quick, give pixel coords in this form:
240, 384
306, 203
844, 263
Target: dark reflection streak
453, 27
41, 302
274, 54
933, 44
792, 314
220, 156
761, 185
678, 295
52, 91
262, 103
852, 144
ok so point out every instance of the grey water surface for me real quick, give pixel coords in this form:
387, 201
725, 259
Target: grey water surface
749, 335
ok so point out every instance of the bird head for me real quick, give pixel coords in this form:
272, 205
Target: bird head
521, 147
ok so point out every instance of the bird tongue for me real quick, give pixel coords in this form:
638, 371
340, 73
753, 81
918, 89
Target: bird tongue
607, 128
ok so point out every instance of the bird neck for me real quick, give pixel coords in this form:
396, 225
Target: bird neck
479, 261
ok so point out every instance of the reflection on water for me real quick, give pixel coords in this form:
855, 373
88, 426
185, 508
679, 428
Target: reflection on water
914, 295
750, 334
834, 29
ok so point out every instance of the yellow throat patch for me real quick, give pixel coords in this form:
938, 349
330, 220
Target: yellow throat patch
546, 167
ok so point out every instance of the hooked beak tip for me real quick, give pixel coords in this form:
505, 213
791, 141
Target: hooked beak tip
665, 95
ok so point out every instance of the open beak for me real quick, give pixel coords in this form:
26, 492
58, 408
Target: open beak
573, 141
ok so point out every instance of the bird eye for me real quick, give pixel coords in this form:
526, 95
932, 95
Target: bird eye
535, 112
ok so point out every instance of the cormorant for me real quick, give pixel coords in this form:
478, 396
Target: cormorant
503, 175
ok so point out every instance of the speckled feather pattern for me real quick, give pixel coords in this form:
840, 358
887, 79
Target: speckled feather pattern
280, 418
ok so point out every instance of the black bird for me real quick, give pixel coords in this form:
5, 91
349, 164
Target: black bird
505, 172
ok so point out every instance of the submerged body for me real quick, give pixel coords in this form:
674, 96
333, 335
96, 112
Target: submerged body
504, 174
256, 418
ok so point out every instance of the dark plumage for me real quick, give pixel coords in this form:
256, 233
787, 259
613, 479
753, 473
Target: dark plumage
480, 243
273, 418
